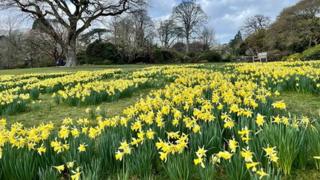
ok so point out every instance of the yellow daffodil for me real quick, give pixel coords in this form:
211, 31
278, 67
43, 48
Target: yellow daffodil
82, 148
260, 120
41, 149
59, 168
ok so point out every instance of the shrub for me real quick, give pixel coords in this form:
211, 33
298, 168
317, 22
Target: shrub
166, 56
293, 57
100, 52
82, 57
179, 46
276, 55
211, 56
311, 53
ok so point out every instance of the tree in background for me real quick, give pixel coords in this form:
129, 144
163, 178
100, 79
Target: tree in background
20, 48
143, 28
11, 43
297, 28
132, 34
207, 38
168, 32
256, 42
40, 41
256, 23
93, 35
236, 43
75, 16
189, 16
256, 30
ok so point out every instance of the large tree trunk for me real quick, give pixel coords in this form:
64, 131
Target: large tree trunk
71, 54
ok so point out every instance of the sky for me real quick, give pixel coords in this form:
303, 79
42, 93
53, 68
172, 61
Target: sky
226, 17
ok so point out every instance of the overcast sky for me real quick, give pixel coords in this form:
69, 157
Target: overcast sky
225, 16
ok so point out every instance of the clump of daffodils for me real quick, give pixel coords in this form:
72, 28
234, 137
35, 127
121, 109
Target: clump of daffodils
201, 157
123, 150
177, 144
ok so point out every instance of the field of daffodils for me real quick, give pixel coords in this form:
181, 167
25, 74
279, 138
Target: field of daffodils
198, 122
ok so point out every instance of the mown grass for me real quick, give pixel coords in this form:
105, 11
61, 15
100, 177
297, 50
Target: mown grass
301, 104
73, 69
304, 175
46, 110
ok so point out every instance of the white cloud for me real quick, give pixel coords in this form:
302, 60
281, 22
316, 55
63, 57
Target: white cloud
226, 16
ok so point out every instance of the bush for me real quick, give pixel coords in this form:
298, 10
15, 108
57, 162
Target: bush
82, 57
276, 55
311, 53
166, 56
293, 57
100, 52
210, 56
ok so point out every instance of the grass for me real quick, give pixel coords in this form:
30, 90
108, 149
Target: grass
301, 104
45, 110
125, 67
74, 69
304, 175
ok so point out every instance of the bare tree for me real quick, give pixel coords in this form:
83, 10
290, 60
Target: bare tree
189, 15
40, 44
11, 43
94, 34
75, 16
143, 27
168, 32
255, 23
207, 38
133, 34
122, 35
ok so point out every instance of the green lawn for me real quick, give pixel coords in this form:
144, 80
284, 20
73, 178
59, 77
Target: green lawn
302, 104
46, 110
64, 69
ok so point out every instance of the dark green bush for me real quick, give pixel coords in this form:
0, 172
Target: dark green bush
311, 53
192, 54
166, 56
293, 57
82, 57
210, 56
100, 52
